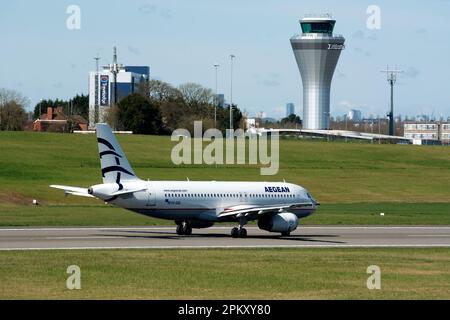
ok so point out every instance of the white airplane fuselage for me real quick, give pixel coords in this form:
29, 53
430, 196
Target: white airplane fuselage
205, 200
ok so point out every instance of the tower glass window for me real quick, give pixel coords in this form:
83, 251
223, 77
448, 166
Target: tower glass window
318, 27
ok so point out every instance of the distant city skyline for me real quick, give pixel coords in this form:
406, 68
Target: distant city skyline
290, 109
180, 41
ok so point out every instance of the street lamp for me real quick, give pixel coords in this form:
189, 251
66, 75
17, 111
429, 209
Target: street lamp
232, 56
216, 98
346, 118
40, 107
328, 126
379, 130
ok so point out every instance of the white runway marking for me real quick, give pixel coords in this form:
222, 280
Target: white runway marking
94, 228
93, 237
429, 235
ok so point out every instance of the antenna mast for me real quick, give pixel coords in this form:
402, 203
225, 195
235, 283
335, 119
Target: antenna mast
97, 59
391, 78
115, 68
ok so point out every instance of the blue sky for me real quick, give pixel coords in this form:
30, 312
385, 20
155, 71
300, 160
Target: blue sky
181, 40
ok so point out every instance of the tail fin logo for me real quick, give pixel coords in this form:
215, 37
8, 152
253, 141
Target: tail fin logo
106, 143
112, 151
103, 153
115, 168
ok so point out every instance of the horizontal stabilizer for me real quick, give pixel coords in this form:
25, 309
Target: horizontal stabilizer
75, 191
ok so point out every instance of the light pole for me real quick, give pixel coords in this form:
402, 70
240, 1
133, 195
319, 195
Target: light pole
328, 126
216, 99
379, 130
346, 118
232, 56
372, 129
40, 107
97, 59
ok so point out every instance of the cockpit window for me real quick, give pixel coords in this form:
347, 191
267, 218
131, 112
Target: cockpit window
310, 197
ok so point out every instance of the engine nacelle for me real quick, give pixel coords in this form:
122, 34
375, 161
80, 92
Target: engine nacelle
280, 222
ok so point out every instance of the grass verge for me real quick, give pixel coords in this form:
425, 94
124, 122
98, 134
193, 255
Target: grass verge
227, 274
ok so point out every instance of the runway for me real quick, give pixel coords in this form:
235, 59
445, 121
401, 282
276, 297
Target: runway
218, 237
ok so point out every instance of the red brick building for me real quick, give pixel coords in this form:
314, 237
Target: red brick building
56, 121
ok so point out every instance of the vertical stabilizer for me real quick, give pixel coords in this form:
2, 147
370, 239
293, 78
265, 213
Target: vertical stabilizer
114, 164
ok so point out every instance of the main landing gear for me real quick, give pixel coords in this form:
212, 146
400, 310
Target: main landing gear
240, 232
184, 229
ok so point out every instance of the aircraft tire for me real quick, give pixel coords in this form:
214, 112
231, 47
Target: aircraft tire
187, 230
243, 233
235, 232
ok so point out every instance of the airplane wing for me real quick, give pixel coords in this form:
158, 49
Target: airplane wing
75, 191
239, 211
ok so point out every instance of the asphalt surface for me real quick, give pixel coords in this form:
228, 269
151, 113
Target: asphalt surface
219, 237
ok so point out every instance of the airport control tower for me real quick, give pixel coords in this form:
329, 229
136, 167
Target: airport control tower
317, 52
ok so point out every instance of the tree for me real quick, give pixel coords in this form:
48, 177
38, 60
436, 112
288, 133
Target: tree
173, 115
223, 118
140, 115
13, 116
112, 117
197, 98
78, 105
159, 91
7, 95
180, 107
291, 120
12, 112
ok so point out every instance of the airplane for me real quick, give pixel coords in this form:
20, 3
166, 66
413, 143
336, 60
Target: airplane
277, 206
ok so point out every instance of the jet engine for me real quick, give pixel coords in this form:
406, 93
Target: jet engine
284, 222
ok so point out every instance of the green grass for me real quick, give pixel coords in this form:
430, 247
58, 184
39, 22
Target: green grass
227, 274
353, 181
